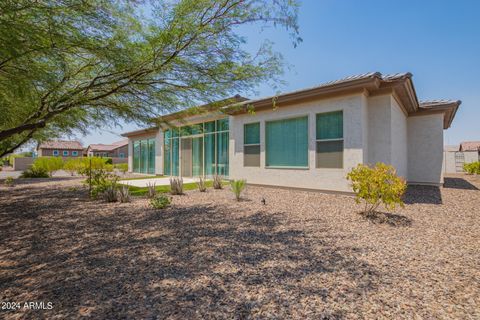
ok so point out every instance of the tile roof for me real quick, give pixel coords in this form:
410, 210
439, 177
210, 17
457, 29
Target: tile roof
470, 146
61, 144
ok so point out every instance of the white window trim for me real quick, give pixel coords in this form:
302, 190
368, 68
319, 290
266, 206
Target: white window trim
65, 153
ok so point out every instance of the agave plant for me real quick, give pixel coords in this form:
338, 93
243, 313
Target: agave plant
176, 185
237, 187
124, 194
152, 192
217, 181
202, 187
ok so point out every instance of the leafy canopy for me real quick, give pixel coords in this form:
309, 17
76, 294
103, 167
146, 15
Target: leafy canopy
68, 65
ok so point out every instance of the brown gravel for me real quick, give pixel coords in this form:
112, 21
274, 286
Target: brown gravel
303, 255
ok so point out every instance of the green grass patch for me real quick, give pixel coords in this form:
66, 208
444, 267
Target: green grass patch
141, 191
141, 178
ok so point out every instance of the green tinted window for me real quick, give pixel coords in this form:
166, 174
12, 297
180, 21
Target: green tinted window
222, 124
287, 143
252, 133
330, 125
209, 126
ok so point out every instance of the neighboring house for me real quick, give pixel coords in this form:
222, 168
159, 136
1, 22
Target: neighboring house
309, 138
60, 148
117, 149
454, 157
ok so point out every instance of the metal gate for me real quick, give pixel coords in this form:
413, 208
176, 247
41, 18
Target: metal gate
459, 161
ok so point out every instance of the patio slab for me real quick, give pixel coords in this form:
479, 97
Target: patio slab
164, 181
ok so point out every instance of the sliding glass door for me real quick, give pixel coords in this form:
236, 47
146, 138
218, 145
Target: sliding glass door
144, 156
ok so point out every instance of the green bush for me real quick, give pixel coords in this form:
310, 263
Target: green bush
109, 167
93, 163
376, 185
472, 167
49, 164
34, 172
237, 187
9, 182
108, 160
73, 165
122, 167
161, 201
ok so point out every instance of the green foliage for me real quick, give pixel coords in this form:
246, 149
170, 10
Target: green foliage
34, 172
217, 182
108, 167
160, 201
110, 192
122, 167
376, 185
48, 164
472, 167
237, 187
9, 182
93, 163
176, 185
74, 165
202, 187
101, 181
70, 65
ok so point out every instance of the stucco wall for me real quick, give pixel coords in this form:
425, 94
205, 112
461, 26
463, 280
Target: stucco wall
379, 129
324, 179
49, 152
425, 149
398, 123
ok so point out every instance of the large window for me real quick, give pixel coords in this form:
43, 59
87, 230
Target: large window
329, 140
204, 149
144, 156
251, 145
287, 143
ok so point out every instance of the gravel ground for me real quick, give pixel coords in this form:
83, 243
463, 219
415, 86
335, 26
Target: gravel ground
303, 255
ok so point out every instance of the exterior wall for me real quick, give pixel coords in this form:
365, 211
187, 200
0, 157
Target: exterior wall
122, 149
49, 152
470, 156
425, 149
324, 179
21, 164
399, 150
130, 154
449, 165
379, 129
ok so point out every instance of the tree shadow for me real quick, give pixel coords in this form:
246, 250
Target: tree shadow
458, 183
182, 262
391, 219
422, 194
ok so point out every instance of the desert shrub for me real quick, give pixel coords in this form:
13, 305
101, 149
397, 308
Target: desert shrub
108, 160
34, 172
237, 187
96, 164
110, 193
176, 185
377, 184
217, 182
9, 182
49, 164
161, 201
122, 167
108, 167
124, 194
73, 165
202, 187
101, 181
151, 190
472, 167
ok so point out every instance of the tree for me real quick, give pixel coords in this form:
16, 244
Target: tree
74, 64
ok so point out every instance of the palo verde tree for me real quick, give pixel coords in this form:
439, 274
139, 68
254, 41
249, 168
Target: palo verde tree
75, 64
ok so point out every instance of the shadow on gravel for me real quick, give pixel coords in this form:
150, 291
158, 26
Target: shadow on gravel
182, 262
458, 183
422, 194
392, 219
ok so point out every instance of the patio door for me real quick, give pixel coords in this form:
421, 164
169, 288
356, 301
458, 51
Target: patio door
186, 149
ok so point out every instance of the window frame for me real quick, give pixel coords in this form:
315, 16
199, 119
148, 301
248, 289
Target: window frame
291, 117
65, 153
74, 153
252, 144
329, 140
55, 153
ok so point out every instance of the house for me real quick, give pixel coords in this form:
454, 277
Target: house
60, 148
117, 149
454, 157
310, 138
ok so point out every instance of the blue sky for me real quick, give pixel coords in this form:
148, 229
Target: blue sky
438, 41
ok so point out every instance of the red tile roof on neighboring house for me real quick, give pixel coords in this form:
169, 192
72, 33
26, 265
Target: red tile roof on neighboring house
61, 144
470, 146
108, 147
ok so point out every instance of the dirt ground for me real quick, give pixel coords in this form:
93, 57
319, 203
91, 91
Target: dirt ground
302, 255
